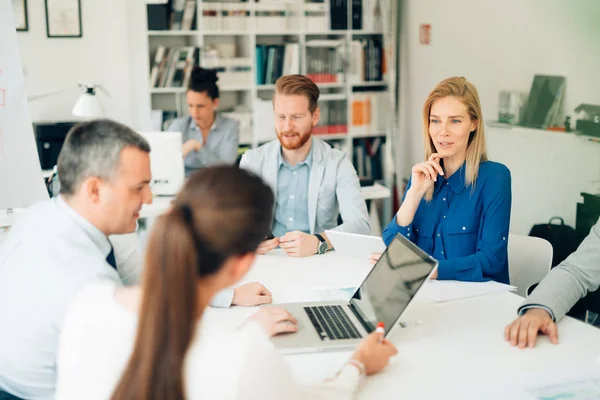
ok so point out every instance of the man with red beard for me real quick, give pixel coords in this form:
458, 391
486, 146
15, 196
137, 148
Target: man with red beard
313, 183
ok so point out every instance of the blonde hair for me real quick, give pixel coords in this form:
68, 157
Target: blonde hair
465, 91
298, 85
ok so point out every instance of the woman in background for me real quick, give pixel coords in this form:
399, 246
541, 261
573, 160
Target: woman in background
154, 343
457, 203
209, 138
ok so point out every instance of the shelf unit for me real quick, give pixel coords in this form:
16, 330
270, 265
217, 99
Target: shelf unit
298, 27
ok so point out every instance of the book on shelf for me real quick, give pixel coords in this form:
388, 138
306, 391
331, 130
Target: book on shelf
172, 67
163, 15
367, 60
178, 7
325, 60
226, 16
189, 14
368, 157
316, 17
369, 112
338, 13
274, 61
232, 71
332, 119
158, 14
357, 13
372, 15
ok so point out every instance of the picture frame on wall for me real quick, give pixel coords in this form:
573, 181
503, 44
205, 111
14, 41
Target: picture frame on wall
20, 11
63, 19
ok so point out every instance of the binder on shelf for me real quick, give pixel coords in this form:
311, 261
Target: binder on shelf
338, 13
357, 12
159, 14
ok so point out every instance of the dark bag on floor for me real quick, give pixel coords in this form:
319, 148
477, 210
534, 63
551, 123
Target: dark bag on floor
562, 238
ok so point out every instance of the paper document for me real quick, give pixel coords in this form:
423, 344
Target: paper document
454, 290
297, 295
573, 382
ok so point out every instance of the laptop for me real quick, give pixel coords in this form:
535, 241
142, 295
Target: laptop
354, 245
166, 162
382, 297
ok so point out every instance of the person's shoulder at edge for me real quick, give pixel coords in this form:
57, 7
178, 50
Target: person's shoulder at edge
40, 217
92, 297
327, 152
228, 124
179, 124
492, 171
255, 154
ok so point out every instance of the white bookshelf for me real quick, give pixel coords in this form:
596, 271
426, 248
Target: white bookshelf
247, 32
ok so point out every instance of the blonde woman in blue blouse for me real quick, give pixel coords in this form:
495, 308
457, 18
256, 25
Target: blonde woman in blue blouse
209, 138
457, 203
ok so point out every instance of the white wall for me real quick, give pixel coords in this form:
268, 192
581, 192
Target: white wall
101, 56
497, 45
501, 45
549, 171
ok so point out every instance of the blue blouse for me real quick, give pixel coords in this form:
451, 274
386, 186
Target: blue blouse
464, 227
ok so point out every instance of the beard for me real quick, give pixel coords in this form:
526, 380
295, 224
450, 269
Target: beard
291, 140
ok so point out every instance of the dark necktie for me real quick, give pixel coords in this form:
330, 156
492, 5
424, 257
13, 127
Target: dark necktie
110, 258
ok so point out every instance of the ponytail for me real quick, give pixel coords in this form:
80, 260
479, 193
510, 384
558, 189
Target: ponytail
168, 314
221, 212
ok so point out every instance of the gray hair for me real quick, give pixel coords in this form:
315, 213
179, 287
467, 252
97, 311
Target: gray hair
93, 149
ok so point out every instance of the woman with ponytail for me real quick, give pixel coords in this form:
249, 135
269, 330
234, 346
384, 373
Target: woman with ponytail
152, 342
209, 138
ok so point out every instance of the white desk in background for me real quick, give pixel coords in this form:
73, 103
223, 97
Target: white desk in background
456, 351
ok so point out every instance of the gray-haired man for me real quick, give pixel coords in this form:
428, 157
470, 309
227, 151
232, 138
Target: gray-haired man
62, 244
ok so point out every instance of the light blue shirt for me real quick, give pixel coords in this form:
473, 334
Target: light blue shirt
333, 188
47, 257
291, 210
221, 145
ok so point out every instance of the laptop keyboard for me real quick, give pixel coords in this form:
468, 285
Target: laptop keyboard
331, 322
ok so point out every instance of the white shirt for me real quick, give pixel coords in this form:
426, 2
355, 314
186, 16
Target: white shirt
99, 334
48, 256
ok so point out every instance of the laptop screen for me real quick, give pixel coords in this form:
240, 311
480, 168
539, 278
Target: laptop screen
392, 283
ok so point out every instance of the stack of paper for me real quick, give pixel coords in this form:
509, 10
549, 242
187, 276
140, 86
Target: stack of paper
454, 290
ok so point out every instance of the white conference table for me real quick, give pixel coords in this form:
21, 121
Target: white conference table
452, 350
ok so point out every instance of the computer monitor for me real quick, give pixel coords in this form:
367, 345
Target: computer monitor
166, 162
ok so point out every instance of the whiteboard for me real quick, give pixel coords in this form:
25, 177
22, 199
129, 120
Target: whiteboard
21, 182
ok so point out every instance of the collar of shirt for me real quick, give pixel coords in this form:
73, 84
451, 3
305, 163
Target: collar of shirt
216, 122
456, 181
308, 160
94, 233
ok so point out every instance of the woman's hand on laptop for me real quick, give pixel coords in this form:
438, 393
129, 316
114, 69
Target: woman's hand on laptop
251, 294
267, 245
374, 352
374, 257
275, 320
